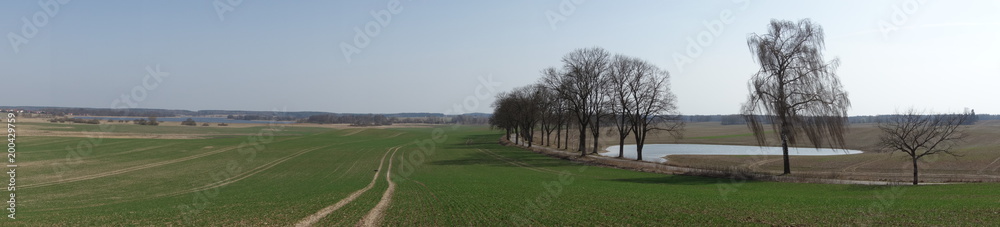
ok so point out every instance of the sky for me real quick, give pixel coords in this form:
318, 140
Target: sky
389, 56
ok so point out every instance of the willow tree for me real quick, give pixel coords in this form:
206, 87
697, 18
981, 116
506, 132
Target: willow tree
795, 90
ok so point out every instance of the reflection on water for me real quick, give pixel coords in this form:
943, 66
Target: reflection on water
658, 152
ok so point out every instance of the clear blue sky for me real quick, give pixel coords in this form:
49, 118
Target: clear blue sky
432, 55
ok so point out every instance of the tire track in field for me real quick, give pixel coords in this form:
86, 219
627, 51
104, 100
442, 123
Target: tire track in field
247, 174
64, 149
395, 135
50, 141
756, 165
272, 163
312, 219
140, 167
347, 171
227, 181
431, 204
129, 169
354, 132
854, 167
136, 150
991, 164
47, 162
518, 163
375, 215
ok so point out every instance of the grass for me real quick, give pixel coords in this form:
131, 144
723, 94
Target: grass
464, 179
167, 128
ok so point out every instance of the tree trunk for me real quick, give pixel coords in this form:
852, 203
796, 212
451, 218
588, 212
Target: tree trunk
527, 137
566, 140
638, 152
517, 136
531, 137
558, 135
548, 137
621, 146
915, 180
784, 150
596, 135
596, 131
583, 140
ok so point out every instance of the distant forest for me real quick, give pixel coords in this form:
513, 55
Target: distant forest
736, 119
300, 116
383, 119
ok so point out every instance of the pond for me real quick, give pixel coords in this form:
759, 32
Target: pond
658, 152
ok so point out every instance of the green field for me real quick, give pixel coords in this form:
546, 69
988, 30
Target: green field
443, 176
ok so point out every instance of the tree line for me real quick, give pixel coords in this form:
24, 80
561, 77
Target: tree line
353, 119
593, 89
971, 117
382, 119
261, 117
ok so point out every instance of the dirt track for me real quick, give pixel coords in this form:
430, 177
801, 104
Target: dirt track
319, 215
375, 215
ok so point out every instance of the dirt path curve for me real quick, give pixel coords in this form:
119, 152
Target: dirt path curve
375, 215
319, 215
129, 169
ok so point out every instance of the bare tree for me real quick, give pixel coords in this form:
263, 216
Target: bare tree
620, 78
795, 90
528, 110
920, 135
549, 112
503, 114
602, 108
653, 105
579, 85
561, 120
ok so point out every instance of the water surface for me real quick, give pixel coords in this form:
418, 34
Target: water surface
658, 152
